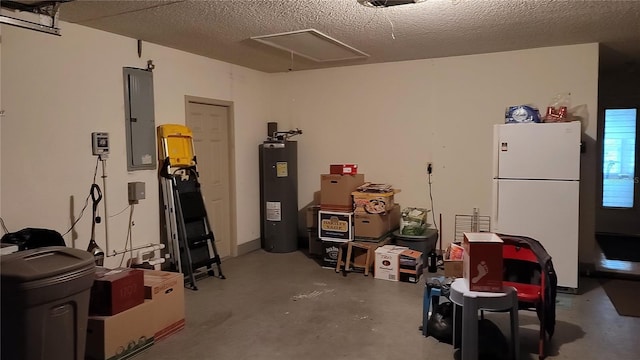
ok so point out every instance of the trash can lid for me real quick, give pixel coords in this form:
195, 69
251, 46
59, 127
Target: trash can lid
428, 233
44, 262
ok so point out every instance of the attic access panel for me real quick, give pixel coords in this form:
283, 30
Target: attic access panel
312, 44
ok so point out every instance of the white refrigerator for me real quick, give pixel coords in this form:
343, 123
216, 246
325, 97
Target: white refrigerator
536, 182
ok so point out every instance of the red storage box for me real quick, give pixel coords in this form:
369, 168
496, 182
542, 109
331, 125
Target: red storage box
343, 169
115, 291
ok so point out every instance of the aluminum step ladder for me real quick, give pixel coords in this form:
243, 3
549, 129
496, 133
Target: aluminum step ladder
189, 236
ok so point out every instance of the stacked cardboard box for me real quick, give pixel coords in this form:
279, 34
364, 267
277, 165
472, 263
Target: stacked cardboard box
122, 335
387, 264
398, 263
330, 251
117, 326
133, 330
315, 244
335, 226
335, 218
376, 226
336, 189
373, 202
375, 211
410, 266
166, 289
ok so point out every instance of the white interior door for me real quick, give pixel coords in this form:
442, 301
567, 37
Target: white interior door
546, 211
210, 126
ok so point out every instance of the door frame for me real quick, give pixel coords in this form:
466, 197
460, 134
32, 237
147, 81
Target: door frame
233, 242
609, 218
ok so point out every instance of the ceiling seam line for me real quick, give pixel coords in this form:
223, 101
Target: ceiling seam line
127, 12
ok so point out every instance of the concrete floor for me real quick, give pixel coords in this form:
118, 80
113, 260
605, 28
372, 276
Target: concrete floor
285, 306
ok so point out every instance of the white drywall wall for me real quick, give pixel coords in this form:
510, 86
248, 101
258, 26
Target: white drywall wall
391, 119
57, 90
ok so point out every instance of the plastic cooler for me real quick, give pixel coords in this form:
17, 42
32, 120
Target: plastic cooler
45, 303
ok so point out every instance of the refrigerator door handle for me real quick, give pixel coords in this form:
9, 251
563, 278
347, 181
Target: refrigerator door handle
494, 206
496, 151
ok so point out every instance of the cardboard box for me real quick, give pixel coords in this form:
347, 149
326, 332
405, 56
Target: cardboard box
410, 266
335, 226
122, 335
166, 289
343, 169
387, 264
373, 202
312, 216
330, 251
453, 268
374, 226
335, 191
482, 261
116, 290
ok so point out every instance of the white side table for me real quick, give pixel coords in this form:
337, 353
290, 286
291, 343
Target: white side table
465, 325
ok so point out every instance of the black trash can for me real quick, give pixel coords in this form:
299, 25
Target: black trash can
45, 303
424, 243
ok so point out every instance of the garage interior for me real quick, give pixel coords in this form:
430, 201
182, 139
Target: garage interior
409, 91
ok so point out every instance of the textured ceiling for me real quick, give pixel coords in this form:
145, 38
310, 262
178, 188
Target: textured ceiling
221, 29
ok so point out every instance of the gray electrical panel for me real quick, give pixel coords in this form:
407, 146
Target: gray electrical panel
279, 196
140, 125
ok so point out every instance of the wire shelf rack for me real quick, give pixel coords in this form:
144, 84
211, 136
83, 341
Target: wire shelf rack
471, 223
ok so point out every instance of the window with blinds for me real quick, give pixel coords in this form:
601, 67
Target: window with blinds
619, 158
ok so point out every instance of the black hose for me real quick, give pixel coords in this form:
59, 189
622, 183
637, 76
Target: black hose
96, 196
